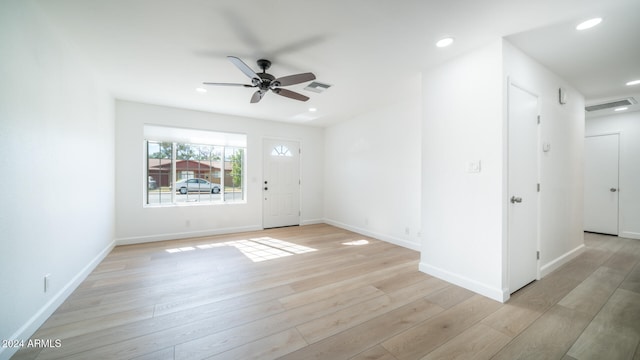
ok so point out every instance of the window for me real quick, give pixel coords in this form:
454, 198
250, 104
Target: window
281, 150
194, 167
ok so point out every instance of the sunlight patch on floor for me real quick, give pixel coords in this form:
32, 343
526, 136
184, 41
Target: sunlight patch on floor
258, 249
356, 242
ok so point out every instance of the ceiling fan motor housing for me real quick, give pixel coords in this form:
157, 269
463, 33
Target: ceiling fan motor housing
264, 64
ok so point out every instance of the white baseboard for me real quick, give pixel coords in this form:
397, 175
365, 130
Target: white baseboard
630, 235
184, 235
500, 295
311, 222
30, 327
390, 239
549, 267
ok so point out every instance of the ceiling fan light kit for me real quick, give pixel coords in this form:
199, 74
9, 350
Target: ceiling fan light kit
264, 81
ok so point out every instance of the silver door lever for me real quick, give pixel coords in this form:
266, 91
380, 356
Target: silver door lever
516, 199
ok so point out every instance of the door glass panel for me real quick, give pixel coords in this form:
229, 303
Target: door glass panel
281, 150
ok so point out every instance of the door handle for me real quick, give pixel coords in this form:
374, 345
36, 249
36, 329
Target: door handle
516, 199
613, 189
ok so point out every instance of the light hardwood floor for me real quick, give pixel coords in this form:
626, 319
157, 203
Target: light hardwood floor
337, 295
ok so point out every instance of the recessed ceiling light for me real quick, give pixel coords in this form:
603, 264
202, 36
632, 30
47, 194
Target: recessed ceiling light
444, 42
634, 82
201, 90
621, 109
313, 109
589, 24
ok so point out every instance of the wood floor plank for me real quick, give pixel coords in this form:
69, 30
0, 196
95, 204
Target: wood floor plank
375, 353
632, 282
477, 342
622, 262
449, 296
270, 347
614, 333
92, 324
221, 341
338, 321
425, 337
304, 296
594, 291
138, 338
512, 319
355, 340
549, 337
163, 354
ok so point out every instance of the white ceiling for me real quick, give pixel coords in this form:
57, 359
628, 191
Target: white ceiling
370, 51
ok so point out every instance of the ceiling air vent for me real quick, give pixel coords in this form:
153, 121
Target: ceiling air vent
317, 87
612, 104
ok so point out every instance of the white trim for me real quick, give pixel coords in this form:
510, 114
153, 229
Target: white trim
500, 295
629, 235
30, 327
390, 239
561, 260
184, 235
312, 222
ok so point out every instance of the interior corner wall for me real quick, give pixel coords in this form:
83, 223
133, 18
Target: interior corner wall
136, 223
56, 137
462, 210
628, 126
372, 171
561, 168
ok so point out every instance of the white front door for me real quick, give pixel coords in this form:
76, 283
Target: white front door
522, 187
601, 183
281, 183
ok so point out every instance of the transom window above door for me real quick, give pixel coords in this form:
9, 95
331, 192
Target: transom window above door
281, 150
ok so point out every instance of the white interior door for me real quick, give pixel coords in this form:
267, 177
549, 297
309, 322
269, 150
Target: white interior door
601, 183
522, 187
281, 183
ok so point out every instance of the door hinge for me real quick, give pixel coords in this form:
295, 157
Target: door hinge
538, 119
538, 187
299, 213
537, 255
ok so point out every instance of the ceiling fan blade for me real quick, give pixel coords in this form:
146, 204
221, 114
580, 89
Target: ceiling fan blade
295, 79
243, 67
226, 84
257, 96
290, 94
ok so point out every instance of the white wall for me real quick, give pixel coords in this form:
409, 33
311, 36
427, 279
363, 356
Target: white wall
462, 212
561, 168
56, 138
136, 223
628, 126
372, 171
464, 215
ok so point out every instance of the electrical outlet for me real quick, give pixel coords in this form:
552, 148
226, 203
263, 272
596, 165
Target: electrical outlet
407, 231
47, 282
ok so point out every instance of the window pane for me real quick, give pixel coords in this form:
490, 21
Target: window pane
234, 174
159, 170
196, 170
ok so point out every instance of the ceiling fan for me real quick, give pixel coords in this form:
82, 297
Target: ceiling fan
265, 82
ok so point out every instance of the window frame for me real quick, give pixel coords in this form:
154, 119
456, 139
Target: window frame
199, 198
